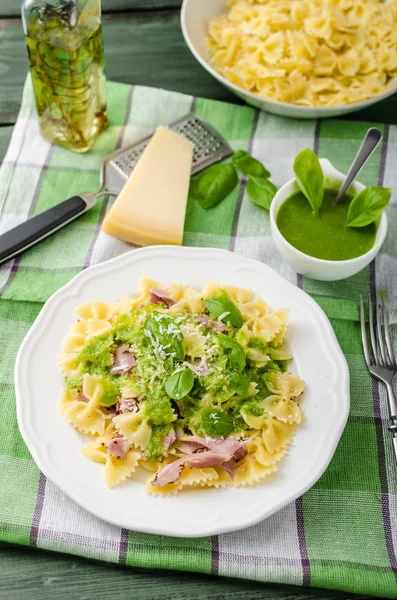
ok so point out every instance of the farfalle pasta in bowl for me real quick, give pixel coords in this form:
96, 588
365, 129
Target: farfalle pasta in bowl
298, 58
193, 387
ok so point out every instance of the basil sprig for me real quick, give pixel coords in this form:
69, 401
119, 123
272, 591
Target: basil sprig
213, 185
367, 206
248, 165
179, 384
165, 336
235, 352
261, 191
222, 306
216, 422
240, 383
310, 178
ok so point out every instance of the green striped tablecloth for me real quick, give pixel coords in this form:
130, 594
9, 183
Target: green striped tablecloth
342, 533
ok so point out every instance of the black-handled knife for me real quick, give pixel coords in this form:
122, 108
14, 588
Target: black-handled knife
37, 228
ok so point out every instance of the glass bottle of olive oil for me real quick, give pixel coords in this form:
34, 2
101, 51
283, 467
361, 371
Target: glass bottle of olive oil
65, 46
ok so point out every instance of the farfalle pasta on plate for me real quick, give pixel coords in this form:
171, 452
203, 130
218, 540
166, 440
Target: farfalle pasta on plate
190, 386
307, 52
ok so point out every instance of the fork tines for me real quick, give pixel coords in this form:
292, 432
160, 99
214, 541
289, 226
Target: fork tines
379, 328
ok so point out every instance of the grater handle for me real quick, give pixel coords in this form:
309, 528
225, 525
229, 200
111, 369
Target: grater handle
37, 228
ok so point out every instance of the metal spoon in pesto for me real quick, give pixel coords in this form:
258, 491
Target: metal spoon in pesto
371, 140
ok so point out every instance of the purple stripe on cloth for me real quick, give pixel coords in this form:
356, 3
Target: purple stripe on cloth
13, 271
380, 438
90, 252
242, 187
14, 164
14, 266
383, 157
215, 555
300, 522
123, 546
105, 201
316, 145
34, 530
300, 518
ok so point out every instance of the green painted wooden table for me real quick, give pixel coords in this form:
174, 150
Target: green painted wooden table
143, 45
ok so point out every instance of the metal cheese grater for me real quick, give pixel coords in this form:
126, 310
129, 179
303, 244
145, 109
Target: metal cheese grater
209, 148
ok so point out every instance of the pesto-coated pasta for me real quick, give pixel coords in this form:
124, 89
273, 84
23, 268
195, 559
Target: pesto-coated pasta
191, 387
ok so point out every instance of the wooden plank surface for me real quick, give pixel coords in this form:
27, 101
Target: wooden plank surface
37, 575
12, 8
140, 48
5, 136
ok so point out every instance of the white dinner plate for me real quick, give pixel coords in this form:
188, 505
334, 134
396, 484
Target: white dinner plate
55, 445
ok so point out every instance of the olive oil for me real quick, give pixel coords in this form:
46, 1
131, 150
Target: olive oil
67, 68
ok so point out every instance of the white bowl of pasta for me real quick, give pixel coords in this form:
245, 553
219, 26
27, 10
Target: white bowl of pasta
201, 501
287, 71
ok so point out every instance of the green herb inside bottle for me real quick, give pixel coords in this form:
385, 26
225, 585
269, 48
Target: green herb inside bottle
67, 66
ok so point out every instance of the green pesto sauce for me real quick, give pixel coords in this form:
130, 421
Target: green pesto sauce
154, 449
324, 236
211, 392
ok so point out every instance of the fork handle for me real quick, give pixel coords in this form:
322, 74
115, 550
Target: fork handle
395, 446
391, 398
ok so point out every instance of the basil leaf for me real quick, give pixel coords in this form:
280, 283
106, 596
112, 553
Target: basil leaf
223, 308
179, 384
310, 178
216, 422
261, 191
240, 383
249, 165
165, 336
234, 350
367, 206
213, 185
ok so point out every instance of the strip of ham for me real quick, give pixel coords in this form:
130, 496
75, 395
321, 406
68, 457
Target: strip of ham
169, 439
209, 324
171, 472
211, 452
127, 405
82, 398
227, 445
118, 447
158, 296
124, 361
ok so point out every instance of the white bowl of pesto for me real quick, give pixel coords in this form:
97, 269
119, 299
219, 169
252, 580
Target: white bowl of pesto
56, 446
318, 268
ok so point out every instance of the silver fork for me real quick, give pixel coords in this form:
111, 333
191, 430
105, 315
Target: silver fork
385, 366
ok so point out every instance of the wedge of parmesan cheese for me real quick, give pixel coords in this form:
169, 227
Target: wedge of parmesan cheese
151, 207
